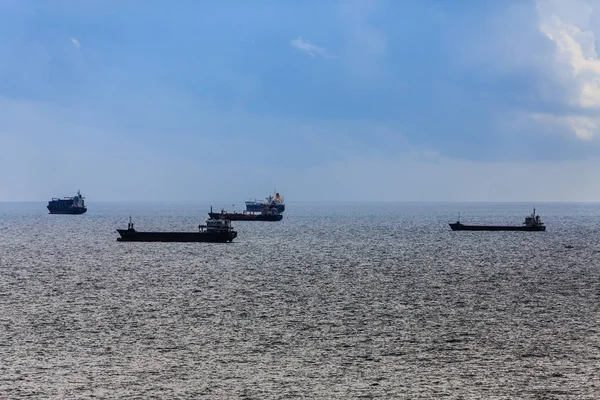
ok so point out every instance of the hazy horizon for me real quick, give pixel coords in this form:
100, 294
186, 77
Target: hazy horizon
241, 202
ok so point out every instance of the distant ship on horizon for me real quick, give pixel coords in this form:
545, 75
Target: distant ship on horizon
266, 214
67, 205
274, 201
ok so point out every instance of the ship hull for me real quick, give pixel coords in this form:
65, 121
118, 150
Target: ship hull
72, 210
258, 207
246, 217
210, 237
461, 227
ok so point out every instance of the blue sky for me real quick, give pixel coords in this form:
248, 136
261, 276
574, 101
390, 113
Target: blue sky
324, 100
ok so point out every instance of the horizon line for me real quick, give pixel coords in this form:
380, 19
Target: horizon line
332, 201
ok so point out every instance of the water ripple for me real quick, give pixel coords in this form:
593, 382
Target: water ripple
345, 301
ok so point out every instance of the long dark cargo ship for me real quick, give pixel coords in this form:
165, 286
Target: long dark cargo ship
215, 231
67, 205
532, 223
267, 214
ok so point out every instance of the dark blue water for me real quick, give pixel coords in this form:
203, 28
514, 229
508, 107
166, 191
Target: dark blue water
335, 301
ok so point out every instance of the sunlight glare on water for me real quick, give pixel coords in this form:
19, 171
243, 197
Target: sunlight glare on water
335, 301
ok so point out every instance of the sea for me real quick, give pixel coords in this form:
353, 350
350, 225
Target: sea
336, 301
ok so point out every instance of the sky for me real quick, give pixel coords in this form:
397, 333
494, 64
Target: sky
381, 100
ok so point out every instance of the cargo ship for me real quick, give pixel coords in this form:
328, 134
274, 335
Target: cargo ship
532, 223
272, 201
267, 214
67, 205
215, 231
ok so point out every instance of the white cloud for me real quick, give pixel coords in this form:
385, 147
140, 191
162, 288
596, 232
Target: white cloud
308, 48
576, 63
583, 127
576, 50
75, 42
554, 42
